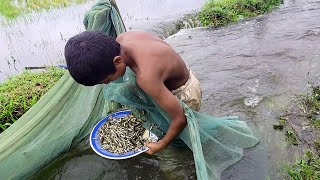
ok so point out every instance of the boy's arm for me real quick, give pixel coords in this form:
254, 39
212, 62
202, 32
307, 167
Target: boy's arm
170, 104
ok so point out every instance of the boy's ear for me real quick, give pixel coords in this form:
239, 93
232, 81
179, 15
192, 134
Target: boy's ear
117, 60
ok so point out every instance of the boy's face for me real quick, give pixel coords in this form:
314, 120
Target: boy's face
110, 78
120, 70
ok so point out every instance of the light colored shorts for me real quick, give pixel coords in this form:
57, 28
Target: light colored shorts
190, 93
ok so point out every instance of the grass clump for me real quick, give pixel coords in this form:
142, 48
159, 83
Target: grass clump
310, 105
11, 11
291, 137
7, 9
307, 167
19, 93
223, 12
281, 123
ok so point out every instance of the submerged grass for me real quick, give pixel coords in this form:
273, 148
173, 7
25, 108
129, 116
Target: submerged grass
291, 137
19, 93
223, 12
11, 10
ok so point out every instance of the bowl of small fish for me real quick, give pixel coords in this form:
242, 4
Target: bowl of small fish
120, 135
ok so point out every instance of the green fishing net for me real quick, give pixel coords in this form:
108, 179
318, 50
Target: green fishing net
216, 143
65, 115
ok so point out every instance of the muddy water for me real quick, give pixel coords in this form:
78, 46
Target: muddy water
250, 69
38, 39
253, 69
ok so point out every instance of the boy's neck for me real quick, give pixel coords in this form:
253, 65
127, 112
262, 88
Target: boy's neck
126, 56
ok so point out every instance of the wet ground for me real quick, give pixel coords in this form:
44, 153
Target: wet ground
250, 69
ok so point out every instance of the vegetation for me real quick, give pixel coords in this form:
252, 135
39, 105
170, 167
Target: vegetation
310, 105
307, 167
291, 137
19, 93
281, 123
7, 9
10, 10
223, 12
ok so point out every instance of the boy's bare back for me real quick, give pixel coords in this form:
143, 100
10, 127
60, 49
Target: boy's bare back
155, 59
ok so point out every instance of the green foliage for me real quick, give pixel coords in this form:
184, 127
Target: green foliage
291, 137
47, 4
10, 10
7, 9
19, 93
308, 167
222, 12
310, 104
281, 123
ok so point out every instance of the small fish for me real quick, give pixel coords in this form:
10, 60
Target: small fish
121, 135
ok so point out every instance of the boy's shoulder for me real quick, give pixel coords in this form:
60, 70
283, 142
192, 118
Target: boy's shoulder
134, 34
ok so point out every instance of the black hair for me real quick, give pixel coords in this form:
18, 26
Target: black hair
90, 55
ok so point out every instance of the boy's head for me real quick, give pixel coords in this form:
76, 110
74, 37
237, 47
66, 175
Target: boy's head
93, 58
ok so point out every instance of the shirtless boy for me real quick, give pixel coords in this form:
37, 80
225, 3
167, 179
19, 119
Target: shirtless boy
95, 58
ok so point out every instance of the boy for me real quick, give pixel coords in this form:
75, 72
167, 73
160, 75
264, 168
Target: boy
95, 58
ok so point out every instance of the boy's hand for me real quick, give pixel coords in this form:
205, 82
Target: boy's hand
155, 147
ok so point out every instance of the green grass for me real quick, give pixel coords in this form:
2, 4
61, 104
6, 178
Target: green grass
310, 105
7, 9
19, 93
11, 11
306, 168
223, 12
291, 137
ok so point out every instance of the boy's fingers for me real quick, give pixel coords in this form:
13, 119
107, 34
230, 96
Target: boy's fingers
150, 151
